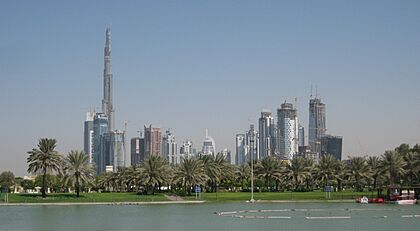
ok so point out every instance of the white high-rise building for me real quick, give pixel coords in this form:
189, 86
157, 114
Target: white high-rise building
317, 124
186, 151
170, 149
287, 128
88, 136
240, 157
209, 146
252, 144
266, 134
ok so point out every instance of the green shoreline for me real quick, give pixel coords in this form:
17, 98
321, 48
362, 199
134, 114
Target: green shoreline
162, 198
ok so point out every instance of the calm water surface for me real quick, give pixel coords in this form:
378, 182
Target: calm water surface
202, 217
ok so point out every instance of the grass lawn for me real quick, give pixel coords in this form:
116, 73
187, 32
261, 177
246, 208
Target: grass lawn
244, 196
84, 197
210, 197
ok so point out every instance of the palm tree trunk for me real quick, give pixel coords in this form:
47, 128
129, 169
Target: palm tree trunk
44, 177
77, 186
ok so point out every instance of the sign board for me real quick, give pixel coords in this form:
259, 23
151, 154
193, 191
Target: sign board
4, 189
327, 188
197, 189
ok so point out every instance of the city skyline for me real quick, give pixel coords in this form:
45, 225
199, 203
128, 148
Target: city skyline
201, 73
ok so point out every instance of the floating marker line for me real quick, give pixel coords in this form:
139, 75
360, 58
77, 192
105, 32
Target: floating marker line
326, 218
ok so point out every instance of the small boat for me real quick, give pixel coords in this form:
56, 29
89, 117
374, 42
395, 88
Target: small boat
362, 200
406, 200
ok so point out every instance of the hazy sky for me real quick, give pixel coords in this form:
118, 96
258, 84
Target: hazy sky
191, 65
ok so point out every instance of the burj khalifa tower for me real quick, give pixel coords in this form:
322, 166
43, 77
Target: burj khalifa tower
107, 108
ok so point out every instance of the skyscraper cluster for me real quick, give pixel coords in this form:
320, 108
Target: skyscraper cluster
105, 146
286, 138
283, 138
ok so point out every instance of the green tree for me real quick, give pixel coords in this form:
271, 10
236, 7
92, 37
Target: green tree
269, 170
78, 169
212, 169
154, 172
392, 166
243, 174
374, 164
357, 171
297, 172
310, 168
190, 173
7, 180
326, 169
27, 184
411, 167
340, 174
44, 159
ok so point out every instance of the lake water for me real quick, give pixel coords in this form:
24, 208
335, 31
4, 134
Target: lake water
202, 217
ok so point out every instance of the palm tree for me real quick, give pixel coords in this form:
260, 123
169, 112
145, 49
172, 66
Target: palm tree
268, 169
375, 169
310, 168
411, 166
154, 172
78, 168
297, 171
357, 171
392, 166
326, 168
243, 173
212, 169
44, 159
190, 173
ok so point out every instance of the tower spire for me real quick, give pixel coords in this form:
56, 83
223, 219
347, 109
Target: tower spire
107, 107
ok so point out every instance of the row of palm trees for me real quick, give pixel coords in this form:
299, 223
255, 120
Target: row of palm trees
398, 167
74, 169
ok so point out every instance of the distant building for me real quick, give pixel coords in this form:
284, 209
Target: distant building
112, 151
332, 145
228, 156
88, 135
209, 146
287, 128
170, 149
100, 127
301, 136
152, 141
266, 135
186, 151
317, 124
252, 144
137, 150
240, 157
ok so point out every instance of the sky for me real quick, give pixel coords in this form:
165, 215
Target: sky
192, 65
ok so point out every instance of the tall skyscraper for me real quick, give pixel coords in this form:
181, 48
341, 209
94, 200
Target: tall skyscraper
266, 134
100, 127
152, 141
287, 128
113, 151
109, 146
301, 136
137, 150
107, 107
240, 157
170, 149
88, 135
252, 144
332, 145
209, 146
317, 124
